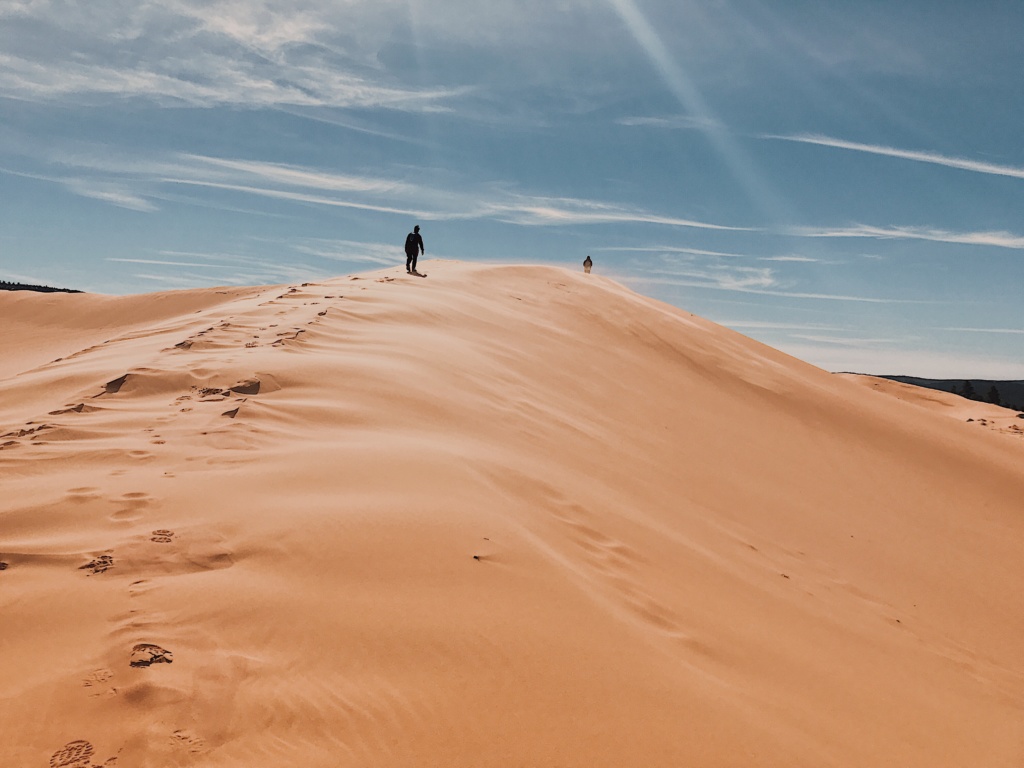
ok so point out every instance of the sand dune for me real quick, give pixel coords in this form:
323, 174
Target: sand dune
985, 415
503, 516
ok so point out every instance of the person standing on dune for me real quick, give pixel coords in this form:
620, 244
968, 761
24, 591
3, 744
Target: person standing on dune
587, 264
413, 248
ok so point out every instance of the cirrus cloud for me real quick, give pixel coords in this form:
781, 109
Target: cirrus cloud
995, 239
934, 158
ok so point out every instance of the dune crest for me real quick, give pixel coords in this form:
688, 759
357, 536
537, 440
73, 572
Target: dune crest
502, 516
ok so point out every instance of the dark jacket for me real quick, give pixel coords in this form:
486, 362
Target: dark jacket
412, 242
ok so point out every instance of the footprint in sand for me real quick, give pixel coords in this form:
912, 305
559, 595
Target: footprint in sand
247, 387
188, 741
74, 754
70, 409
211, 392
162, 536
97, 677
147, 654
78, 754
82, 494
31, 432
113, 387
131, 506
100, 564
97, 683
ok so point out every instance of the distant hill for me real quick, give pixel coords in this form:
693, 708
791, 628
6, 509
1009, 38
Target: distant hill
1011, 393
5, 286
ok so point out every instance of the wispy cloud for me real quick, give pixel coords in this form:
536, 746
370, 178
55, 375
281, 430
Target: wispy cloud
304, 197
264, 53
109, 191
665, 249
673, 122
350, 251
232, 268
934, 158
263, 25
682, 250
768, 325
299, 176
186, 281
533, 210
843, 341
136, 182
162, 263
259, 267
797, 259
724, 286
735, 278
331, 117
995, 239
232, 258
985, 330
222, 82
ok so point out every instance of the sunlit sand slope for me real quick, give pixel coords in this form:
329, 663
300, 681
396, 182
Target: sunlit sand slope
501, 516
983, 415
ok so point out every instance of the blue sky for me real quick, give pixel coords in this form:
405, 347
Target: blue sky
843, 181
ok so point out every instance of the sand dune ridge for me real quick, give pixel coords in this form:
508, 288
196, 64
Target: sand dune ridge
505, 515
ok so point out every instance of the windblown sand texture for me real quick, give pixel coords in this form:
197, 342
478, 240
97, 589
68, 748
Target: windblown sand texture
984, 415
501, 516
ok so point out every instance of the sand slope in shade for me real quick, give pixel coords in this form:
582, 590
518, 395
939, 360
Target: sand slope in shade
503, 516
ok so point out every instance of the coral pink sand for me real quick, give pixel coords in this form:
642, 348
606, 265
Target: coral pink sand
503, 516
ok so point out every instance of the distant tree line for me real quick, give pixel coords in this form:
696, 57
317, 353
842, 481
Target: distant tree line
992, 396
6, 286
1008, 393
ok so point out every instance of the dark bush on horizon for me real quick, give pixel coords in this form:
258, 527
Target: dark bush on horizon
6, 286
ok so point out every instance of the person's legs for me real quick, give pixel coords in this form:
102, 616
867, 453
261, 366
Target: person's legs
414, 257
409, 259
